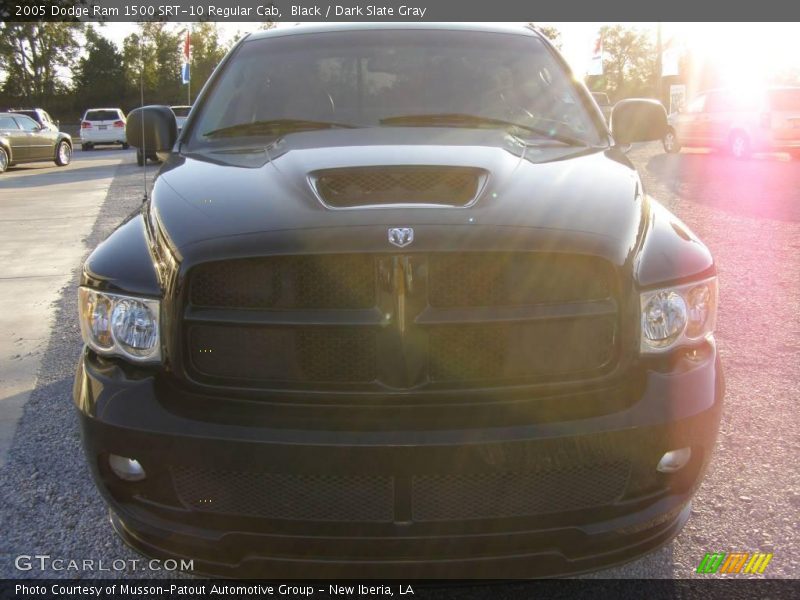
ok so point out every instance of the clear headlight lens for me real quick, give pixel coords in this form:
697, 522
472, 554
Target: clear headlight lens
681, 314
113, 324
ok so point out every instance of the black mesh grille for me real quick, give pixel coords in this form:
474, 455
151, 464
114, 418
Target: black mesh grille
302, 282
504, 279
536, 348
283, 354
501, 495
451, 186
281, 496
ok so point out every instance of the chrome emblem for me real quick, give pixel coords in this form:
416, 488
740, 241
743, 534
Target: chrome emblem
401, 236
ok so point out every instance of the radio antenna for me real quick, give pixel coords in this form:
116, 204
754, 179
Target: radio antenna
141, 104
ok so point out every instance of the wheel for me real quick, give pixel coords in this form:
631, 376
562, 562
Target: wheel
3, 160
125, 146
739, 145
63, 153
140, 158
86, 147
670, 142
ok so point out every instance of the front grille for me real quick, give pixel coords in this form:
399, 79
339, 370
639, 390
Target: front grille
507, 351
370, 321
516, 278
449, 186
466, 496
283, 354
358, 498
281, 282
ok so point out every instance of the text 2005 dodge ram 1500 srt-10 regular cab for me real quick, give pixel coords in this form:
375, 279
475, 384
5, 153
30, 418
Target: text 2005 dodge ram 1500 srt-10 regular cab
398, 306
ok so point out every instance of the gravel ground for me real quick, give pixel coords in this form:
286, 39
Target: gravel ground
749, 215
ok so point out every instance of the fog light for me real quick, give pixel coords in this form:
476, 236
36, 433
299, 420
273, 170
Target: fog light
674, 460
127, 469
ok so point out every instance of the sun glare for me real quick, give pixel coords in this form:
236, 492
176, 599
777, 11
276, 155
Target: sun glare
743, 55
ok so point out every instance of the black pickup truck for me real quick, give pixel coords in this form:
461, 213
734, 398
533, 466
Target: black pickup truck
398, 306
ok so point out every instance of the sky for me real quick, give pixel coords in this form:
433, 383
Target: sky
745, 53
742, 50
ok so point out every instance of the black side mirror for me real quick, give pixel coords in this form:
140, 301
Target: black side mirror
152, 128
638, 120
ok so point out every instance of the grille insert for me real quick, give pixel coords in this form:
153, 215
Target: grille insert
505, 279
287, 496
501, 495
281, 282
448, 186
504, 351
283, 354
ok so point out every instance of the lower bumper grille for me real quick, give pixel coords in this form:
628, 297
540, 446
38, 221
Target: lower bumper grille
371, 499
499, 495
289, 497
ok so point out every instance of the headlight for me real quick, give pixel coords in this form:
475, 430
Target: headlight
676, 315
112, 324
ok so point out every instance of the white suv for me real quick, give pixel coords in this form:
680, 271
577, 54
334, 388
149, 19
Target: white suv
103, 126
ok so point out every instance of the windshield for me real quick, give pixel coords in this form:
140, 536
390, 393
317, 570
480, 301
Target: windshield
392, 78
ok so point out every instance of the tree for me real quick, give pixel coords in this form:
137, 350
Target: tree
32, 54
153, 57
207, 52
99, 77
629, 63
551, 33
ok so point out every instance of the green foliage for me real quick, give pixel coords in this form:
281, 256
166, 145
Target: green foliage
31, 55
99, 77
551, 33
630, 64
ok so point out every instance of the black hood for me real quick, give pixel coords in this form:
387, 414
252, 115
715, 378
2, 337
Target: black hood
254, 200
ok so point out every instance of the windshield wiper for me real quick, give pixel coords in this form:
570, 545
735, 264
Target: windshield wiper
467, 120
275, 127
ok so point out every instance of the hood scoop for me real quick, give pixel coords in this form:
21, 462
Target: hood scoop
360, 187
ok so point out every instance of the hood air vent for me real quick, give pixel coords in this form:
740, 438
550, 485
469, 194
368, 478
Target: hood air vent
384, 186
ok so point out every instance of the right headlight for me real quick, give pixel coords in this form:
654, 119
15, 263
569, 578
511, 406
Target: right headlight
678, 315
117, 325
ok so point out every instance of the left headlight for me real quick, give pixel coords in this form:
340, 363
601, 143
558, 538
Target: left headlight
678, 315
117, 325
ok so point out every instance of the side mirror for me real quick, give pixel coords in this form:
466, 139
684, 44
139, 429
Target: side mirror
638, 120
152, 128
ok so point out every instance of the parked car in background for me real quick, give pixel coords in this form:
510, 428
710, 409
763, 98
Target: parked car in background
103, 126
604, 103
41, 116
23, 140
739, 121
181, 112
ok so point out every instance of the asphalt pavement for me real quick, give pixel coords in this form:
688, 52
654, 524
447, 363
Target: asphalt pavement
746, 211
45, 213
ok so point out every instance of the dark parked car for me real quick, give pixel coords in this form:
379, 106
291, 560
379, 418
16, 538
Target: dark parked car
23, 140
41, 116
373, 324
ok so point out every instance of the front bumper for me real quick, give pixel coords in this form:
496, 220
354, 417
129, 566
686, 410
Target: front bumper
252, 501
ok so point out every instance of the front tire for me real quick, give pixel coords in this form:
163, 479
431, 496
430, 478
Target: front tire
670, 142
63, 154
3, 160
739, 145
